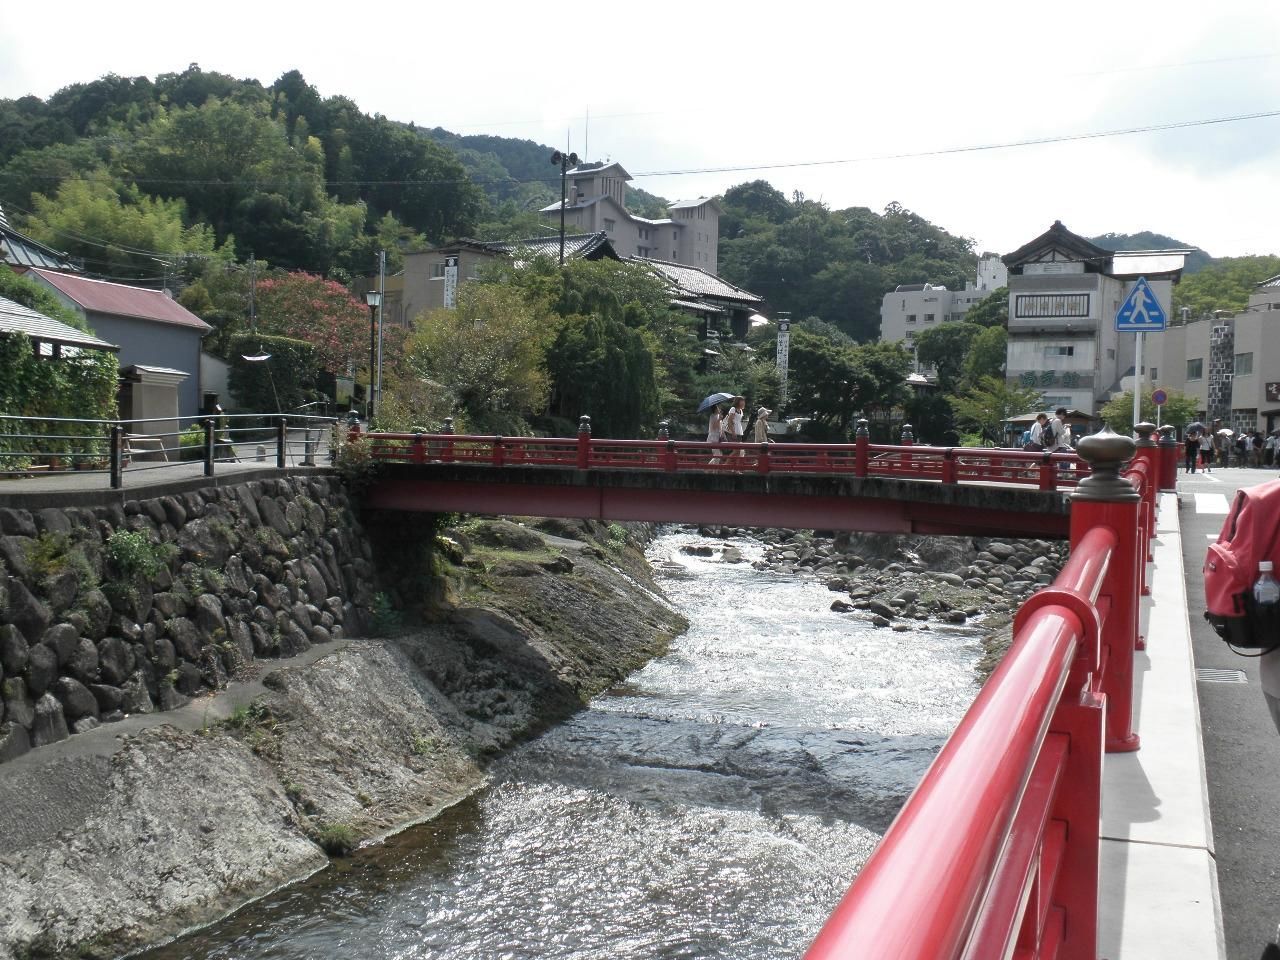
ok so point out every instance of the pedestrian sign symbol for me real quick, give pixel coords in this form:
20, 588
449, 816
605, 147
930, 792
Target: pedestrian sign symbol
1141, 311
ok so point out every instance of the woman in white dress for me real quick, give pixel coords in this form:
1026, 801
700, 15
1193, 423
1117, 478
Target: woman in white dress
715, 430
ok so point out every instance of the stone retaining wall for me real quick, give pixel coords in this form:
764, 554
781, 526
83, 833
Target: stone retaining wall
135, 607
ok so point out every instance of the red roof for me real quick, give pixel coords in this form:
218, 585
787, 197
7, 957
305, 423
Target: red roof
101, 296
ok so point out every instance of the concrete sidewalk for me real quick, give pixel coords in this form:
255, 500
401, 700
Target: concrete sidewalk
1158, 895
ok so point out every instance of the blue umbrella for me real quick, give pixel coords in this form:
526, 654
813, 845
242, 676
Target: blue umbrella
715, 398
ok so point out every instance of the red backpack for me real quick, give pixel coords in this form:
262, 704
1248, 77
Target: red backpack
1251, 533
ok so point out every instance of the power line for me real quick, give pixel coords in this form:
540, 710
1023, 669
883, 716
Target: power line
691, 171
942, 151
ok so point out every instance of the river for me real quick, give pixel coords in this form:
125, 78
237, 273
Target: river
715, 805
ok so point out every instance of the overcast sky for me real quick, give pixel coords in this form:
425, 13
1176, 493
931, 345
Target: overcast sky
819, 96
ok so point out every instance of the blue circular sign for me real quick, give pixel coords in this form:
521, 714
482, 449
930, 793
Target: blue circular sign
1159, 398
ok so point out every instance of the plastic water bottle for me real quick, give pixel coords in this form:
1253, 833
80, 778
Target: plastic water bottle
1266, 591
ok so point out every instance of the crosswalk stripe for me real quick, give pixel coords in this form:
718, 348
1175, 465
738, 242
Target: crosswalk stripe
1211, 503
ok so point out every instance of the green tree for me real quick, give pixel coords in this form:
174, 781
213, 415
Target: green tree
945, 347
984, 406
988, 352
991, 311
1225, 284
489, 354
120, 229
1117, 412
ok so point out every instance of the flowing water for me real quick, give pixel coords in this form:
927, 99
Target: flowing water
715, 805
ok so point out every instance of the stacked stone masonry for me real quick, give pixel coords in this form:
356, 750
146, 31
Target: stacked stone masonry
260, 570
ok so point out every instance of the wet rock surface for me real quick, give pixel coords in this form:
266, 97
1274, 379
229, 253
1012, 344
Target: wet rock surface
130, 832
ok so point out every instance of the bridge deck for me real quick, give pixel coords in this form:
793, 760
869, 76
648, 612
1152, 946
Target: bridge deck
807, 501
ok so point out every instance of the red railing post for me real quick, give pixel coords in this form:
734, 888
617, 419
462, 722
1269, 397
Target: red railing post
584, 442
1105, 498
949, 466
419, 447
668, 447
1169, 447
906, 439
498, 457
446, 447
762, 461
1048, 472
862, 455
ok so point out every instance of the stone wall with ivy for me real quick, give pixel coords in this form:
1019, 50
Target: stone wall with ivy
137, 607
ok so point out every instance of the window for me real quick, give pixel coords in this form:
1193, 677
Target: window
437, 270
928, 318
673, 254
1051, 305
1058, 351
642, 251
1195, 369
644, 234
609, 224
1155, 374
1244, 364
911, 318
1111, 354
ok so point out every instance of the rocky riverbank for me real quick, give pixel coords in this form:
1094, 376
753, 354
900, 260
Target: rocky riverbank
135, 830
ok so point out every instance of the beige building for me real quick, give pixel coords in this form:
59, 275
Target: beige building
596, 203
1231, 365
1064, 293
911, 308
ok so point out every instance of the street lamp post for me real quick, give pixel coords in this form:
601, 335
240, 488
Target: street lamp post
564, 161
374, 299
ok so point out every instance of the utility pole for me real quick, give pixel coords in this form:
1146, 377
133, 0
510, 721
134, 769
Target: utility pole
382, 299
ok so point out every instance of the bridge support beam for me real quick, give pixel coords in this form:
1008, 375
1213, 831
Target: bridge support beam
1109, 500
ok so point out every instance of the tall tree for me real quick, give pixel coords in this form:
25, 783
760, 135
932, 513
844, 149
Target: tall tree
984, 406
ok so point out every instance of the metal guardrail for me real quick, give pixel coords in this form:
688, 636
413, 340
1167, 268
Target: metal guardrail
31, 446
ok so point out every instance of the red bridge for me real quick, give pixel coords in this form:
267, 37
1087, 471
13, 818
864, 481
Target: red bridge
882, 488
996, 853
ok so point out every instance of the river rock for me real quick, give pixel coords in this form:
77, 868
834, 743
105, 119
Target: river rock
26, 612
18, 705
75, 698
115, 660
50, 724
185, 637
880, 608
13, 649
83, 662
879, 621
13, 553
208, 616
109, 698
42, 669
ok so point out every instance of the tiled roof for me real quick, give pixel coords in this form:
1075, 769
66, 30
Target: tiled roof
576, 245
694, 283
21, 251
16, 318
120, 300
1270, 282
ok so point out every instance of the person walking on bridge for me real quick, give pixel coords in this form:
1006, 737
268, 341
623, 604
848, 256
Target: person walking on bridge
715, 431
734, 425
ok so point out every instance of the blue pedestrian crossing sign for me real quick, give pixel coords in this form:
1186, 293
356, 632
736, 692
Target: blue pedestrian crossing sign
1141, 311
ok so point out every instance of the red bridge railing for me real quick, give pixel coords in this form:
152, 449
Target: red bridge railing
904, 461
995, 854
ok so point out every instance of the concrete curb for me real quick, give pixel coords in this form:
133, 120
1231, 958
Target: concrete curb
1158, 890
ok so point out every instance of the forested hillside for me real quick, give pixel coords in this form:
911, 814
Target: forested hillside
166, 181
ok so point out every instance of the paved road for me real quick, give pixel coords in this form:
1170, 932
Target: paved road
1241, 746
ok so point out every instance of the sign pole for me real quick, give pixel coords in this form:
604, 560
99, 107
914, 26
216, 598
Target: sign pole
1137, 378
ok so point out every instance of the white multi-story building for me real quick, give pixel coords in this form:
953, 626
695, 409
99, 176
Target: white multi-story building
1064, 293
596, 203
914, 307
